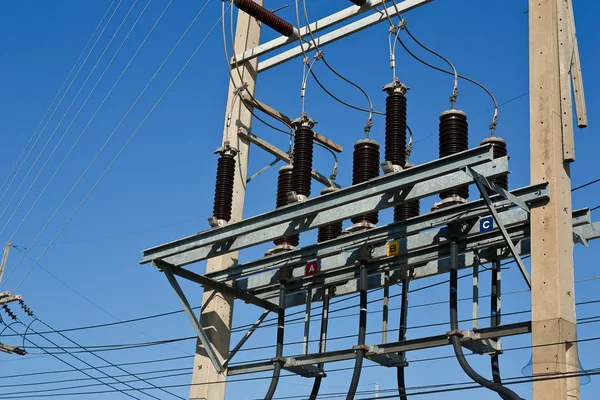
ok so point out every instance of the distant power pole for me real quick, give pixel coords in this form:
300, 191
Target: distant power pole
552, 49
216, 318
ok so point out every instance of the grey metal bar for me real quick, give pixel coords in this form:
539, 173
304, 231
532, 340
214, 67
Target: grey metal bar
376, 194
329, 252
589, 232
491, 185
217, 286
190, 314
510, 244
394, 347
340, 33
307, 321
245, 338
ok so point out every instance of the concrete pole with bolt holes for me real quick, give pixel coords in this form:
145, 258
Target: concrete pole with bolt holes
552, 268
207, 383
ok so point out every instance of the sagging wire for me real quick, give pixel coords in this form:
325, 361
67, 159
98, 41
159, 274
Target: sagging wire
320, 55
409, 146
334, 170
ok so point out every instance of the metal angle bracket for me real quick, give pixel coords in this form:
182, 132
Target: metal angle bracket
478, 178
389, 360
166, 269
472, 340
501, 226
305, 371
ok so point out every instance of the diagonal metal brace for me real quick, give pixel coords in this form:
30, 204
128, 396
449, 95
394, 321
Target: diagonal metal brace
505, 234
243, 341
166, 268
478, 178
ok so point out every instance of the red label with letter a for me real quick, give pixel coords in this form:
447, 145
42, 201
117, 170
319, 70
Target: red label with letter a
312, 268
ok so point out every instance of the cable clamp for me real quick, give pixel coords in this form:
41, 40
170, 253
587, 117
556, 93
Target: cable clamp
240, 89
279, 360
403, 23
455, 332
319, 55
362, 347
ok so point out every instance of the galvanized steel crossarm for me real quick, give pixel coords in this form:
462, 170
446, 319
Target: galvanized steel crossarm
315, 212
519, 328
397, 230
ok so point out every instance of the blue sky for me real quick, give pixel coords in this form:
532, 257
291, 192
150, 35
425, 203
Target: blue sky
161, 186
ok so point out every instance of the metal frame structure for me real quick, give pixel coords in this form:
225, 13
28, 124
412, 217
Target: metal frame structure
422, 250
421, 243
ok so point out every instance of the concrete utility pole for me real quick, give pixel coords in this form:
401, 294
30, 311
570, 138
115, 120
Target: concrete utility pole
552, 269
216, 318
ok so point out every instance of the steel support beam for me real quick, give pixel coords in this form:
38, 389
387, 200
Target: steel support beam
340, 33
244, 339
417, 264
376, 194
520, 328
510, 244
280, 154
190, 314
338, 247
315, 27
330, 144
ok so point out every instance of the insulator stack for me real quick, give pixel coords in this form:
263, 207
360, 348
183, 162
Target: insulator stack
365, 167
284, 186
333, 230
303, 157
224, 184
266, 17
409, 209
454, 138
499, 150
395, 128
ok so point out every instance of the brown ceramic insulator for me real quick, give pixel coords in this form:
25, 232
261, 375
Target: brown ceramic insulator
224, 187
409, 209
365, 167
331, 231
395, 128
303, 159
499, 150
454, 138
284, 186
265, 16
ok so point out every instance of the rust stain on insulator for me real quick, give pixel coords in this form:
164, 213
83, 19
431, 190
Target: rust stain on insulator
266, 17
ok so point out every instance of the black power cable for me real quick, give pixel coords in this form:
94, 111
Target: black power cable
455, 339
362, 333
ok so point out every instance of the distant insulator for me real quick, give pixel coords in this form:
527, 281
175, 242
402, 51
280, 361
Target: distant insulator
303, 156
266, 17
395, 125
365, 167
454, 138
499, 150
284, 186
408, 209
333, 230
224, 184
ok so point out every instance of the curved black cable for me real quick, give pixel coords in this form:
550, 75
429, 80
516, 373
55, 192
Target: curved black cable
278, 360
322, 345
460, 356
362, 333
401, 337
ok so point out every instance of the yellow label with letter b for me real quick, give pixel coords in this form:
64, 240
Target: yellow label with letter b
393, 248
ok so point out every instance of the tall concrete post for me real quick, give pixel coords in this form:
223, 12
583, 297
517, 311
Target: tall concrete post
552, 269
207, 383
